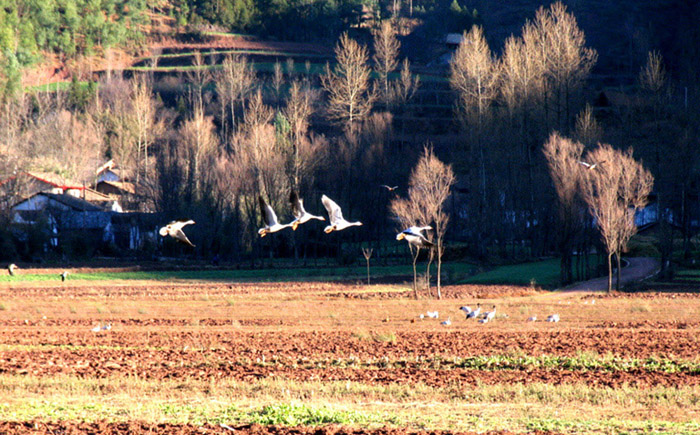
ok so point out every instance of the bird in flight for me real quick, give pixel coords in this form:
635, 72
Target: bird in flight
11, 269
335, 216
270, 219
390, 188
174, 229
300, 215
590, 166
414, 236
64, 275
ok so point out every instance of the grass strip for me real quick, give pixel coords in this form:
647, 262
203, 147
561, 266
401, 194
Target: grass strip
256, 275
564, 408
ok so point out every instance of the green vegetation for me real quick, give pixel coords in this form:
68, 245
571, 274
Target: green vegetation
268, 401
542, 273
260, 275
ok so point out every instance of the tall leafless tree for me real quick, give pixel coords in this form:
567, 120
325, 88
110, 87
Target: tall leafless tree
233, 82
563, 156
386, 52
614, 190
350, 97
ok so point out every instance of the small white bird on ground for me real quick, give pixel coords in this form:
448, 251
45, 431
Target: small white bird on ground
447, 322
475, 312
97, 328
300, 215
489, 316
414, 236
335, 216
553, 318
107, 327
532, 319
433, 314
422, 316
11, 269
270, 219
174, 230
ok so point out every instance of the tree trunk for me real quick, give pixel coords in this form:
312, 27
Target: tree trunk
415, 258
619, 261
439, 266
610, 272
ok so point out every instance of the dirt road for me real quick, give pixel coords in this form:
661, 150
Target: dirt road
637, 269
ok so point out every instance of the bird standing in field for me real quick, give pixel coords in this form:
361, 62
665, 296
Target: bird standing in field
489, 315
433, 314
64, 275
270, 219
174, 229
11, 269
300, 215
466, 310
475, 312
552, 318
414, 236
447, 322
335, 216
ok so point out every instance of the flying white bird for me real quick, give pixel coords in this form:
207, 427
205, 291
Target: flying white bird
432, 314
474, 313
11, 269
64, 275
390, 188
447, 322
301, 216
336, 216
553, 318
590, 166
270, 219
174, 230
466, 310
414, 236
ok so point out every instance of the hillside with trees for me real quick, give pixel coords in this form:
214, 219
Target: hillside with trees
204, 134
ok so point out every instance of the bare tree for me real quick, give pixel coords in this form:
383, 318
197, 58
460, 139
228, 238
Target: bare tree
350, 98
406, 86
386, 52
587, 129
299, 109
614, 190
473, 77
409, 214
144, 122
198, 144
563, 156
429, 187
199, 76
233, 82
567, 61
277, 81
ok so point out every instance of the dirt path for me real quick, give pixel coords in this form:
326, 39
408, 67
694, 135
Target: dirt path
637, 269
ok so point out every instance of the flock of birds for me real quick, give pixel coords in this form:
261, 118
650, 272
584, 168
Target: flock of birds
485, 317
413, 235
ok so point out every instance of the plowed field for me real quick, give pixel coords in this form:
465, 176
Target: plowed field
292, 356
